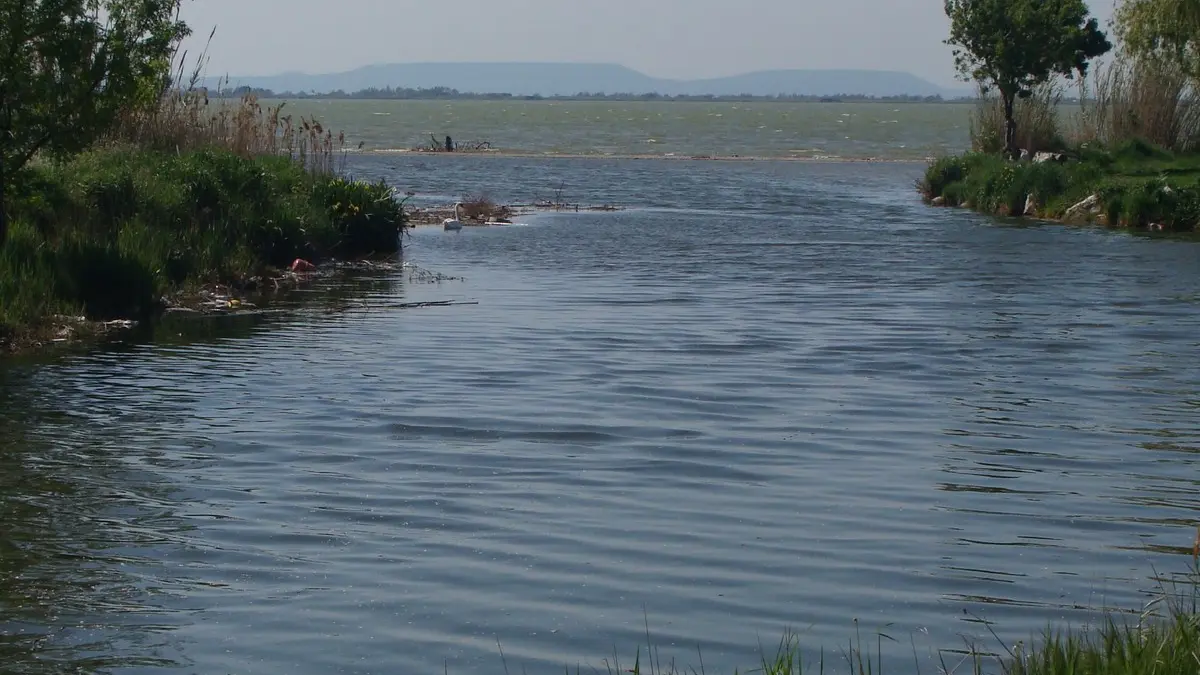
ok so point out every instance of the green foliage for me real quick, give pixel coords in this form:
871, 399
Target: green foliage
366, 216
1016, 45
108, 233
1168, 29
942, 172
955, 193
1140, 185
1164, 640
68, 67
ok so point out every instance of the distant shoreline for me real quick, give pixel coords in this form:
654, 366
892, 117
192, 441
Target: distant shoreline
439, 94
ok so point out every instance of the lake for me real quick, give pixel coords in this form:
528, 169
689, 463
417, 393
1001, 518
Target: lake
851, 130
765, 395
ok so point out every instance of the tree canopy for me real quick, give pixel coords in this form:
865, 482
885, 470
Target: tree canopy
68, 67
1015, 45
1166, 28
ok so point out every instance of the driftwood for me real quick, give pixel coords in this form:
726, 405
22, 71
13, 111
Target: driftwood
432, 303
436, 145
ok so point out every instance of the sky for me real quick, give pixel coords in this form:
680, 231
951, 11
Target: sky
663, 38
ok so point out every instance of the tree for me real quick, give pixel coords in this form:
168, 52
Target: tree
1015, 45
68, 67
1161, 28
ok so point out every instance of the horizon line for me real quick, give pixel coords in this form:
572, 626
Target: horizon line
611, 64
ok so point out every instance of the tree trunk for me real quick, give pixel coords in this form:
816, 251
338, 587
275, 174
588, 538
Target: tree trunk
1010, 127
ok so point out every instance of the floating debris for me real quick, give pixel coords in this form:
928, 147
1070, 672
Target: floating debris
418, 273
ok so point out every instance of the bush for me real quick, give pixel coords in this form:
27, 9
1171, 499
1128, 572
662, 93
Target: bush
366, 217
108, 233
1139, 185
955, 193
942, 172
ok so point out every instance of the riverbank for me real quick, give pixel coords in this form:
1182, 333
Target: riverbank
117, 236
1135, 186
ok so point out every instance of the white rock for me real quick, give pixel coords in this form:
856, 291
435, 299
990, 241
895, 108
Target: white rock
1030, 206
1047, 157
1089, 205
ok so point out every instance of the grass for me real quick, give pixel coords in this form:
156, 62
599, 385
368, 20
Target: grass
1038, 126
1142, 98
1152, 645
186, 191
107, 234
1139, 185
1164, 639
1134, 146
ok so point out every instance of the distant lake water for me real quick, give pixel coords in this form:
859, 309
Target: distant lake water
767, 395
861, 130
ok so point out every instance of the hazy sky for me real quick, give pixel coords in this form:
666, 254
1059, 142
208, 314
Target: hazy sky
665, 38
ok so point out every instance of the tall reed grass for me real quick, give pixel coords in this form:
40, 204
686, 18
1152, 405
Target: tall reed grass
1141, 98
1037, 118
185, 116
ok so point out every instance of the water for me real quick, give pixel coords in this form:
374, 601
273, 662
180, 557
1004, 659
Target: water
858, 130
768, 395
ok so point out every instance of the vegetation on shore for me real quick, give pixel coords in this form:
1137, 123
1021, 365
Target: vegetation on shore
1161, 639
1134, 185
122, 185
1127, 159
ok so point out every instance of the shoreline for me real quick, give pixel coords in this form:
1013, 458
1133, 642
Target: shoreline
1135, 188
253, 294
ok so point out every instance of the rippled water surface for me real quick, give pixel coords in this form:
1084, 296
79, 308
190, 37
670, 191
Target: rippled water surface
879, 130
766, 395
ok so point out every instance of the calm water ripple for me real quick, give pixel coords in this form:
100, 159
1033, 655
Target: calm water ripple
766, 395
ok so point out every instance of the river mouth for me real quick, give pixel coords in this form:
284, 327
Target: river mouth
762, 396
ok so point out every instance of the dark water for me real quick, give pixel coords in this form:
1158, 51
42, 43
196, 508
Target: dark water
772, 395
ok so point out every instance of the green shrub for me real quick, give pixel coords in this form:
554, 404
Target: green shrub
955, 193
1139, 150
942, 172
107, 233
366, 216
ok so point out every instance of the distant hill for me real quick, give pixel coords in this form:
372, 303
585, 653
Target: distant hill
567, 79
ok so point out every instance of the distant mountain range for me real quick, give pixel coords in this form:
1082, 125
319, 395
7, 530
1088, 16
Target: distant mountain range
568, 79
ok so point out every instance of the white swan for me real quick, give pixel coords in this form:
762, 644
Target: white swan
454, 223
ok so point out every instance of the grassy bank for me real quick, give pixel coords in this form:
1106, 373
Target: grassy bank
1164, 639
109, 233
1134, 185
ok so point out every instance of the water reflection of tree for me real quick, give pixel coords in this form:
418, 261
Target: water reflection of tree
89, 508
315, 304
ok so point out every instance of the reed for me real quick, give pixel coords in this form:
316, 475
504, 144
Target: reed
1037, 118
185, 116
1143, 98
480, 207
